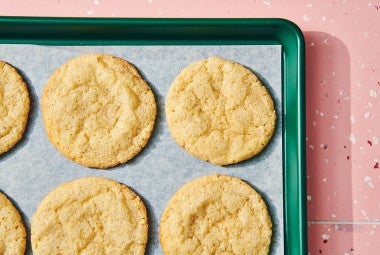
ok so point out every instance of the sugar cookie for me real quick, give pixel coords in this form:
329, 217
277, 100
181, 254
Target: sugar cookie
14, 107
216, 214
219, 111
98, 111
91, 215
12, 230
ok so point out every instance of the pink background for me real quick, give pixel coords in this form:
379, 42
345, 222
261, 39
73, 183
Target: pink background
342, 101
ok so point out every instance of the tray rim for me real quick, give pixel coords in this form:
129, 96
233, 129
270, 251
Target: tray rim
202, 31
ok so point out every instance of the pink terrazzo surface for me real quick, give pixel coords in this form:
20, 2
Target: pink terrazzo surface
343, 107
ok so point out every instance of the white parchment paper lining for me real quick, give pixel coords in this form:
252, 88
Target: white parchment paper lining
34, 167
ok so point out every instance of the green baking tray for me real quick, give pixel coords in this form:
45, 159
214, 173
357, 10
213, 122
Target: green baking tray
144, 31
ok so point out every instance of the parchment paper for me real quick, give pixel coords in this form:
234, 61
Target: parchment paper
34, 167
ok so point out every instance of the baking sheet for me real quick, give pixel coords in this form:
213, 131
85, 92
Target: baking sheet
34, 166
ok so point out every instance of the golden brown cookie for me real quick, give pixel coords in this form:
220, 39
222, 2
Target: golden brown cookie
91, 215
98, 111
14, 106
219, 111
216, 214
12, 230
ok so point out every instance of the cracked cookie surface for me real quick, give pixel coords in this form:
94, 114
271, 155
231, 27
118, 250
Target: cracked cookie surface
98, 111
219, 111
14, 106
12, 230
90, 215
216, 214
